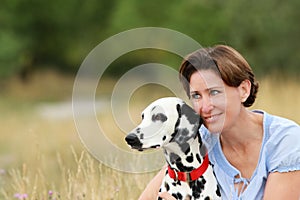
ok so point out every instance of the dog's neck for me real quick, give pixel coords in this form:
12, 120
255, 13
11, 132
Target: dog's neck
186, 156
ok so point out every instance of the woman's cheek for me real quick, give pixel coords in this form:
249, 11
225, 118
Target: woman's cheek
196, 107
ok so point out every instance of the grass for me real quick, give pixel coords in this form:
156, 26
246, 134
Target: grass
280, 96
42, 158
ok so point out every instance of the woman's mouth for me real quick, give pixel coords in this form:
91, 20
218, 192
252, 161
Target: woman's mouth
211, 118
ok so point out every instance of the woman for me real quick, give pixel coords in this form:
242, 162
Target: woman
255, 155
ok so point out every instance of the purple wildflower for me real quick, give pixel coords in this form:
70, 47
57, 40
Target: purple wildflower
21, 196
50, 193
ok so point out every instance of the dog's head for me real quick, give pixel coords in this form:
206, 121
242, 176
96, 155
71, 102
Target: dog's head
166, 121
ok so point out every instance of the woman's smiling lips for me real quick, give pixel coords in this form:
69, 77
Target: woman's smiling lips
211, 118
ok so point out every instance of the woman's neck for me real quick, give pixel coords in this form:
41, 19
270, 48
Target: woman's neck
248, 128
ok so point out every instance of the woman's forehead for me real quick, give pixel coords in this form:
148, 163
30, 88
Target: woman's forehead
205, 79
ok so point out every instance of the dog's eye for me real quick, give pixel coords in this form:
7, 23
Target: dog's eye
159, 117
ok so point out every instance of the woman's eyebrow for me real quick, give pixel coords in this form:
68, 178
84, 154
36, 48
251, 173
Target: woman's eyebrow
216, 87
207, 89
192, 92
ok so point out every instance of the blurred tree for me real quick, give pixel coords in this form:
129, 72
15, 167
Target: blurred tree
49, 34
14, 42
267, 33
206, 21
61, 33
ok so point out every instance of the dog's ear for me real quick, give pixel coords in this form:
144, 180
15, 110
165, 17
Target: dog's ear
190, 114
186, 127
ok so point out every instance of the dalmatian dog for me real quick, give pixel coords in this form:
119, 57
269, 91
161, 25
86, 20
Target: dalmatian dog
171, 124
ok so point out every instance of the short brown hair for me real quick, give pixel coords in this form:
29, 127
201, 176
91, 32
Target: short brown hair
226, 62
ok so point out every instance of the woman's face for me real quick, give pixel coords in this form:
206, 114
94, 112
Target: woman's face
218, 104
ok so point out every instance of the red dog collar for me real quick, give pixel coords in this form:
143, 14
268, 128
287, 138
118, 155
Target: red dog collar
189, 176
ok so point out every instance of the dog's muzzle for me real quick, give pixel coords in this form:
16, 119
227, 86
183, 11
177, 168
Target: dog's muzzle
133, 140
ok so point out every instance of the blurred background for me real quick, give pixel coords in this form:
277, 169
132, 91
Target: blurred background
43, 43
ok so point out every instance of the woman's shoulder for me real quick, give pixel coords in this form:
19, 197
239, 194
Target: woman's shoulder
281, 143
276, 127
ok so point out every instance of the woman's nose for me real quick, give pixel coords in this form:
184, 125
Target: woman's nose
206, 105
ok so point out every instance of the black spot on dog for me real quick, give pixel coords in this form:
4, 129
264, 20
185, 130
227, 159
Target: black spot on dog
218, 191
177, 196
142, 136
197, 187
166, 172
138, 130
155, 146
175, 183
174, 158
190, 158
183, 168
186, 148
177, 122
178, 108
153, 108
167, 186
184, 132
197, 127
164, 138
181, 135
199, 138
203, 150
198, 158
176, 125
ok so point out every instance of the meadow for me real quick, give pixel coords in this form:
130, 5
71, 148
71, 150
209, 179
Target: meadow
42, 157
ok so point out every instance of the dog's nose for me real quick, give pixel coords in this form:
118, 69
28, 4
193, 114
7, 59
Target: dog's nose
133, 140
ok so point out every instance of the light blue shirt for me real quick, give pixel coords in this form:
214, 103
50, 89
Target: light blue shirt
280, 152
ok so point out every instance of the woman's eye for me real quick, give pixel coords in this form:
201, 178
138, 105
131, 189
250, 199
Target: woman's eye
195, 96
214, 92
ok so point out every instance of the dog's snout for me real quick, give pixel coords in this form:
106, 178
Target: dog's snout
133, 140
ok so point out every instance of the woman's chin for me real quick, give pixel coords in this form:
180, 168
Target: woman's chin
214, 128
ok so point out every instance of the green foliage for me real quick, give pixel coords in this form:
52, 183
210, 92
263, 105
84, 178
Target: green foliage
267, 34
61, 33
53, 33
